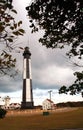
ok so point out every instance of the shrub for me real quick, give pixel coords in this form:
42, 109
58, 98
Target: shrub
2, 113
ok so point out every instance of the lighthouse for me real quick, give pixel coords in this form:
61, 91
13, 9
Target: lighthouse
27, 95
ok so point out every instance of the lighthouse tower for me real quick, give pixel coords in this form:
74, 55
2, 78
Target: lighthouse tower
27, 96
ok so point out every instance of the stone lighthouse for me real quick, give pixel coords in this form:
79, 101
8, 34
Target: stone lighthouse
27, 95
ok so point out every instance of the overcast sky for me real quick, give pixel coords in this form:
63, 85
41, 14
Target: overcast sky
50, 68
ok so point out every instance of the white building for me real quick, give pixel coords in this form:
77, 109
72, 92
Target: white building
2, 103
14, 106
48, 105
7, 101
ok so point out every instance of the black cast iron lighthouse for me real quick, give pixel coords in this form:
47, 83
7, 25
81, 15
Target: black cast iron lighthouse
27, 95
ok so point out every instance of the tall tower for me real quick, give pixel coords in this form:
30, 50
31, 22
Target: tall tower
27, 97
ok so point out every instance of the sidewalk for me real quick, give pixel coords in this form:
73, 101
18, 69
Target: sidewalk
68, 129
75, 129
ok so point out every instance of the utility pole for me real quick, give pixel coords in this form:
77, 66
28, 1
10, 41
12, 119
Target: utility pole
50, 93
50, 98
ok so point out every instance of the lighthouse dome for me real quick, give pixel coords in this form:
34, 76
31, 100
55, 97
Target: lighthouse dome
27, 52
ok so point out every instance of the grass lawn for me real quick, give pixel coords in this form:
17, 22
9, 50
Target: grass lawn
55, 120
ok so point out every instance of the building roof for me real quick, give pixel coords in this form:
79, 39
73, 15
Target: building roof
48, 101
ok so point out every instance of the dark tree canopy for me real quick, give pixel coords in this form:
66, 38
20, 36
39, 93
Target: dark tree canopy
75, 88
9, 32
62, 21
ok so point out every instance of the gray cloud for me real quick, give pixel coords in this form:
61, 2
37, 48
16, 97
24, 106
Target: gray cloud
50, 68
8, 84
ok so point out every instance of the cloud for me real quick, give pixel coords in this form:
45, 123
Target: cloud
8, 84
49, 67
53, 76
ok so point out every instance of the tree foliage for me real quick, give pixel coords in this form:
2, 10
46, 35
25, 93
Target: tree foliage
2, 113
70, 104
62, 21
77, 87
9, 31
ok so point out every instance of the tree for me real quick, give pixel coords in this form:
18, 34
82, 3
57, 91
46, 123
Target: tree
62, 21
9, 32
2, 113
